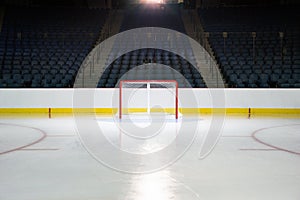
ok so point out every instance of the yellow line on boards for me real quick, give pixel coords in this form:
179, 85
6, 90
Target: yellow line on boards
227, 111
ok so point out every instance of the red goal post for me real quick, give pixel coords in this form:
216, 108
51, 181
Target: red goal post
148, 83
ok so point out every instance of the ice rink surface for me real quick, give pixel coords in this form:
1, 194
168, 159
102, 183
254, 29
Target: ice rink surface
256, 158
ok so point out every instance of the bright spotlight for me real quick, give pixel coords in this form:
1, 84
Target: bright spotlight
152, 1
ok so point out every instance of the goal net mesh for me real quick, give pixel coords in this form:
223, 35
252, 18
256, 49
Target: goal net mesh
148, 97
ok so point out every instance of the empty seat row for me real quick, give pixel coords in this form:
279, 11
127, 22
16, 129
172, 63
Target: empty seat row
268, 45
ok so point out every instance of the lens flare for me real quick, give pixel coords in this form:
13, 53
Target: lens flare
152, 1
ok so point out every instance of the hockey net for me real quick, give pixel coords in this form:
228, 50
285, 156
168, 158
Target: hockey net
148, 97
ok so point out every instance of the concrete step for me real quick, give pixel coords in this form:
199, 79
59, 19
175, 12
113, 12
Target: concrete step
209, 71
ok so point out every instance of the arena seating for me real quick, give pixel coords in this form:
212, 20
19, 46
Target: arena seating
135, 58
46, 51
253, 48
167, 16
258, 49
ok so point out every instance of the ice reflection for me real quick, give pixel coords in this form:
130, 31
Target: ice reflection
141, 142
155, 186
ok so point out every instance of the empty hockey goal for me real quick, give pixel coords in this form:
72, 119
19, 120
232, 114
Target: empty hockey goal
148, 97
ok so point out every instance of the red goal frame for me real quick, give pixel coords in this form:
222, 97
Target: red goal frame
148, 81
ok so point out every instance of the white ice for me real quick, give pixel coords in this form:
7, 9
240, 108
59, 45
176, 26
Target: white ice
257, 158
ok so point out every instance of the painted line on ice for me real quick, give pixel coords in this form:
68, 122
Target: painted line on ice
61, 135
43, 133
271, 145
40, 149
259, 149
237, 136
